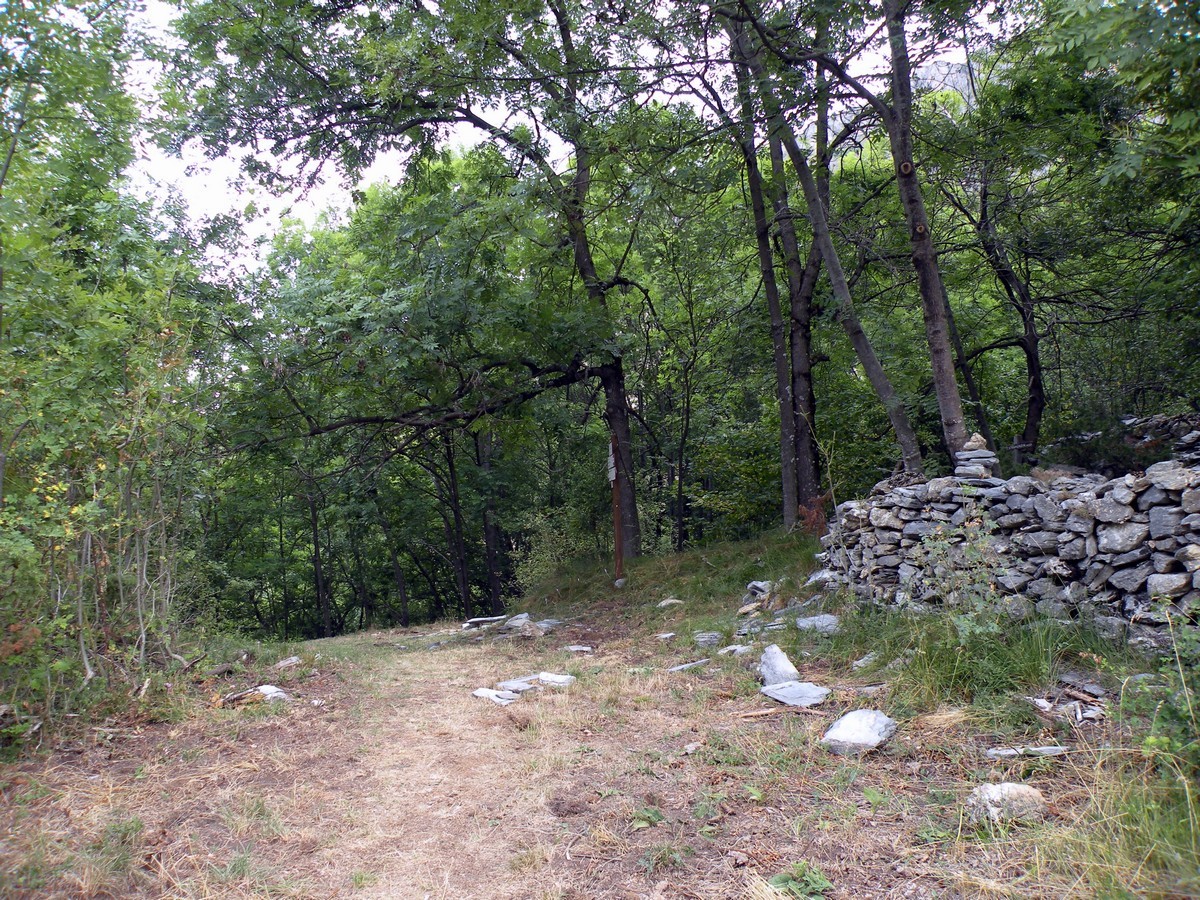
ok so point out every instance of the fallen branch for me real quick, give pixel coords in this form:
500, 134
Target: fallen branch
759, 713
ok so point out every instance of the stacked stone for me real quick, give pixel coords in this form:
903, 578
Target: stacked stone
1076, 547
975, 462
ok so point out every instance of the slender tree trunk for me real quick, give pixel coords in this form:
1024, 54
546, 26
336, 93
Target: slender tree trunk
455, 530
968, 376
848, 318
491, 534
766, 266
322, 589
397, 570
1021, 298
924, 254
616, 412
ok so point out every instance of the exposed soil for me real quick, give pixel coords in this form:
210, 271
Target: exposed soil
386, 778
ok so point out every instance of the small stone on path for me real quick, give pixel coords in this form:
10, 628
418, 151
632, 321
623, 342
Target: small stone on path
1014, 752
859, 732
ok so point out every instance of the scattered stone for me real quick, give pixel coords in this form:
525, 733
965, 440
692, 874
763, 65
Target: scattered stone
619, 583
665, 636
735, 650
482, 621
775, 667
707, 638
692, 665
995, 804
859, 732
518, 685
290, 662
578, 648
500, 698
1082, 683
759, 588
822, 577
796, 693
270, 692
553, 680
548, 625
822, 624
864, 661
670, 601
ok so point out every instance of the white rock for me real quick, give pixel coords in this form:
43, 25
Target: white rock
993, 804
670, 601
579, 648
270, 692
775, 667
288, 663
482, 621
554, 680
759, 588
501, 698
665, 636
859, 732
1014, 752
692, 665
822, 624
865, 661
796, 693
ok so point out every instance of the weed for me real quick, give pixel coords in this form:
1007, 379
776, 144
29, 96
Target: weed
529, 859
361, 879
875, 798
647, 817
113, 852
664, 856
801, 880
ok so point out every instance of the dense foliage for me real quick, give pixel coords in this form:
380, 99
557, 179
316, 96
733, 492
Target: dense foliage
713, 238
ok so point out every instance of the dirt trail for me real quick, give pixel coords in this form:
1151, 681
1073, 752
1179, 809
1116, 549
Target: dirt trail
632, 783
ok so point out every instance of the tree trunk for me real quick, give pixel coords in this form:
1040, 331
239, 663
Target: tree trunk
491, 534
397, 571
766, 266
455, 530
924, 254
1021, 298
322, 589
616, 412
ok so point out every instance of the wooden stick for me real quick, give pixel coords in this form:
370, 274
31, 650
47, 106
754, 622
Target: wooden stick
758, 713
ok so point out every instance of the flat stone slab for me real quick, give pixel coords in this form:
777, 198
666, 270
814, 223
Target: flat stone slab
692, 665
858, 732
578, 648
826, 623
500, 698
796, 693
707, 638
482, 621
517, 685
775, 667
553, 680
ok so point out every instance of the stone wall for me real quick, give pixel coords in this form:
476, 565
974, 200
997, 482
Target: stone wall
1071, 547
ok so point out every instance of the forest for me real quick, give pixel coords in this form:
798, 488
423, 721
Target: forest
764, 253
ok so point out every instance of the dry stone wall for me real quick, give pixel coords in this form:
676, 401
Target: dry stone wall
1118, 552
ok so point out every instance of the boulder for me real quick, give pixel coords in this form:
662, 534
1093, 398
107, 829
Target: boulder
997, 804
